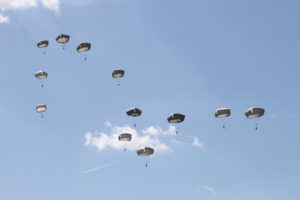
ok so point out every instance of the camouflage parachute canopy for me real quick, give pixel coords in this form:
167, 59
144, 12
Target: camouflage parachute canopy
118, 73
254, 112
41, 75
42, 43
222, 112
41, 108
62, 38
83, 47
134, 112
176, 118
125, 137
146, 151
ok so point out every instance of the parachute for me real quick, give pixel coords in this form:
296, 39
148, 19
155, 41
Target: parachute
134, 112
125, 137
222, 112
41, 75
118, 73
84, 47
43, 44
176, 118
145, 151
63, 39
254, 113
40, 108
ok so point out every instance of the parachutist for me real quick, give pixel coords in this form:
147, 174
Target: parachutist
146, 165
223, 126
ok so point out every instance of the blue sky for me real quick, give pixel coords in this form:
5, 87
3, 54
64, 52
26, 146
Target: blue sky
190, 57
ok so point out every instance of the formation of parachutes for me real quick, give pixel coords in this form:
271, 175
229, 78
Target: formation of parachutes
63, 39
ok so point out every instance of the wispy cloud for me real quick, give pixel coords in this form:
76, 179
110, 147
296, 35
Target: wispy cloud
105, 140
99, 167
107, 123
197, 143
158, 131
4, 19
207, 189
51, 4
14, 5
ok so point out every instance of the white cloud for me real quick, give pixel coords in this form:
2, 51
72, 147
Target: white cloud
158, 131
13, 5
103, 140
17, 4
174, 141
4, 19
51, 4
207, 189
107, 123
197, 143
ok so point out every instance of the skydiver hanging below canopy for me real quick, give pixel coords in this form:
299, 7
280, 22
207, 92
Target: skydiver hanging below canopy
176, 118
221, 113
41, 108
126, 137
117, 74
145, 151
83, 47
252, 113
63, 39
41, 75
43, 44
134, 112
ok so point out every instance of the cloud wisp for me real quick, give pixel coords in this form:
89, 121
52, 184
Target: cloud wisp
158, 131
99, 167
197, 143
207, 189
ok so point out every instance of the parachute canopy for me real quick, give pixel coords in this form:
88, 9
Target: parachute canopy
41, 108
84, 47
254, 112
176, 118
62, 38
42, 44
125, 137
41, 75
118, 73
222, 112
134, 112
146, 151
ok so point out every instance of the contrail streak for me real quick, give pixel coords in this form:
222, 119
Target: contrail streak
97, 168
